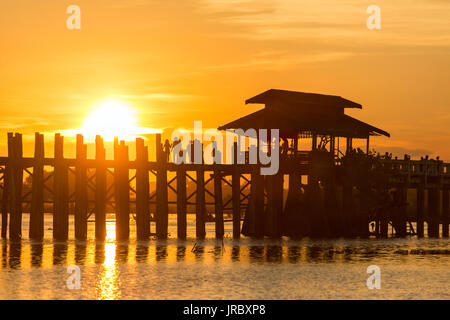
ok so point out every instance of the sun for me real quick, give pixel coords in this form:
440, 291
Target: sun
112, 118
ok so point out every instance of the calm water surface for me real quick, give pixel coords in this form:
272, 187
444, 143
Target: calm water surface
411, 268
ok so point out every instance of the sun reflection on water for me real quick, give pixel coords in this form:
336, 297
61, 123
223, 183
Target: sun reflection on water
108, 284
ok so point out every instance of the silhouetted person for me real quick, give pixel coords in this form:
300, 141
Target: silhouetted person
284, 147
167, 147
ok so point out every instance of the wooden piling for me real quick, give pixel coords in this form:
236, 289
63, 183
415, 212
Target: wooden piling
347, 208
248, 226
181, 202
142, 191
36, 229
81, 193
100, 190
5, 197
200, 208
445, 211
122, 192
218, 204
162, 206
61, 192
433, 212
331, 204
420, 210
259, 205
16, 179
279, 190
402, 211
236, 194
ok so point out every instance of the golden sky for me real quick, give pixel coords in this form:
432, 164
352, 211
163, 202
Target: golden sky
180, 61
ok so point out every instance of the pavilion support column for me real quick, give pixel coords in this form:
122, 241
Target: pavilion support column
332, 145
296, 145
349, 144
367, 145
314, 141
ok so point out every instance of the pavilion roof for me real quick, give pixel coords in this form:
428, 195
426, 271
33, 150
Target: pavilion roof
304, 121
296, 99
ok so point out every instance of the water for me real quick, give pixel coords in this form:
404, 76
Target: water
411, 268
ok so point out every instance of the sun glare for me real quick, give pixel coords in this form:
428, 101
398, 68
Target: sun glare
113, 118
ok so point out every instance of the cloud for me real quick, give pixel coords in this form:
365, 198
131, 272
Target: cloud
284, 60
154, 96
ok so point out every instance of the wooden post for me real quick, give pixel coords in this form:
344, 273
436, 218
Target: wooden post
16, 178
314, 141
278, 193
259, 206
420, 209
331, 203
248, 226
81, 193
181, 202
433, 212
402, 212
349, 145
218, 204
121, 177
142, 191
162, 206
100, 190
36, 230
367, 145
347, 204
445, 211
61, 191
333, 146
5, 196
200, 208
236, 194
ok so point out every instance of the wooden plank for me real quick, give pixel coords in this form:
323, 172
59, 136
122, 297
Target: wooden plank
121, 177
142, 191
218, 204
81, 193
162, 206
100, 190
16, 178
36, 230
236, 195
61, 192
181, 203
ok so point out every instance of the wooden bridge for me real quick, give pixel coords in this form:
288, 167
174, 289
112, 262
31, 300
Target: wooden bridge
331, 204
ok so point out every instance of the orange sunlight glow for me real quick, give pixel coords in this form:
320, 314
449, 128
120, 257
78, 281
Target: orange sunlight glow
113, 118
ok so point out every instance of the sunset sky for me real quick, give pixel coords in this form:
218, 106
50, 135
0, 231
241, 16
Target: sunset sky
174, 62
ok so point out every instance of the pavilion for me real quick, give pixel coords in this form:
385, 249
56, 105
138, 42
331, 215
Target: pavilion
306, 115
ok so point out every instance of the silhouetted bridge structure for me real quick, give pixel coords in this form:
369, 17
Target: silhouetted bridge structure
344, 195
